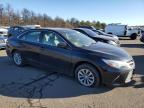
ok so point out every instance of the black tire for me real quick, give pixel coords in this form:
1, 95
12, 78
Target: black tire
94, 72
22, 63
110, 33
133, 36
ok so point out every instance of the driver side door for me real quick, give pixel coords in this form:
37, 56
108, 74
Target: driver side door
55, 58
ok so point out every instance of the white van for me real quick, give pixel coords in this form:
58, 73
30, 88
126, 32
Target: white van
122, 30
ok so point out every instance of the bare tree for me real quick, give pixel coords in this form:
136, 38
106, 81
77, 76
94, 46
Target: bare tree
1, 13
26, 15
9, 12
8, 16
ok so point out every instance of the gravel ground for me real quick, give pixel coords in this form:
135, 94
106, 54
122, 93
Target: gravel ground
31, 87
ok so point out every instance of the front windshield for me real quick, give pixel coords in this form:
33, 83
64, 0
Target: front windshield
76, 38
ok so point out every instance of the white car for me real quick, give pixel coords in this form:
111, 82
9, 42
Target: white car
3, 42
3, 31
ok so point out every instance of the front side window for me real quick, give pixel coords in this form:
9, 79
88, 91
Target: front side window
33, 36
51, 38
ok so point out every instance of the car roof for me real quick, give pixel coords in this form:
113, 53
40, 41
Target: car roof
54, 29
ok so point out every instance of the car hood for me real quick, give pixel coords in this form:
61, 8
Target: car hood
111, 35
108, 51
106, 37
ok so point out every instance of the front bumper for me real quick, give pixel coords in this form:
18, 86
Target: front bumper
123, 78
2, 46
114, 43
117, 78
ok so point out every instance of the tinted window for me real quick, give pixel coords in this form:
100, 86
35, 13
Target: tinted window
90, 32
33, 36
51, 38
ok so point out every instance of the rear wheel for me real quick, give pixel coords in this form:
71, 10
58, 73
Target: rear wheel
18, 59
87, 75
133, 36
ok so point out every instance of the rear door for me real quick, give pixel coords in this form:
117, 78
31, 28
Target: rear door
30, 42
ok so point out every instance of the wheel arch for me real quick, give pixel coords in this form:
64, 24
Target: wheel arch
12, 51
87, 62
134, 34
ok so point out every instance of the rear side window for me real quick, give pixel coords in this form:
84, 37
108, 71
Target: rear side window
33, 36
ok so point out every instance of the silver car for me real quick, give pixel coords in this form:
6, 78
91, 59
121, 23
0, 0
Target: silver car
2, 41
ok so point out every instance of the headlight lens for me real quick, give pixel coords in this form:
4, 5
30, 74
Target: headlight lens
117, 64
112, 43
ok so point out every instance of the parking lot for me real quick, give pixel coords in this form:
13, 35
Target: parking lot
31, 87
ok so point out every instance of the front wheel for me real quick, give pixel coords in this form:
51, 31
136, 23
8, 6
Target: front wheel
18, 59
87, 75
133, 36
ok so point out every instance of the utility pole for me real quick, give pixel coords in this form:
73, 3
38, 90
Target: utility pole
1, 15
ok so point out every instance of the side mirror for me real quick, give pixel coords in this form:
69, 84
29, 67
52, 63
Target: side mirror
62, 45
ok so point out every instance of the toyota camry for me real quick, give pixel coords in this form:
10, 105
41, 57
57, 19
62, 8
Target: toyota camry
72, 53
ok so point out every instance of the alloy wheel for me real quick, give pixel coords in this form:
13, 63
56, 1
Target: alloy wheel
86, 77
17, 58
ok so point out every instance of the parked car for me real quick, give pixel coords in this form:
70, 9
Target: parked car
3, 40
142, 38
99, 32
72, 53
122, 30
142, 30
3, 31
96, 37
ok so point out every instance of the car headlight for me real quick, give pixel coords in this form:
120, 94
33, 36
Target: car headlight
112, 43
117, 64
116, 37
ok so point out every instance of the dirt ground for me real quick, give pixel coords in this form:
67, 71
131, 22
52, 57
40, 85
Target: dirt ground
31, 87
